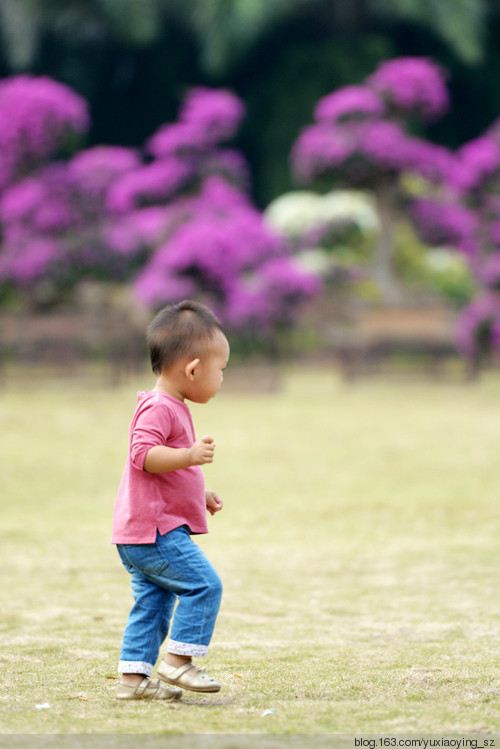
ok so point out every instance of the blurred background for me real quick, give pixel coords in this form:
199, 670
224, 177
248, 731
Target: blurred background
325, 174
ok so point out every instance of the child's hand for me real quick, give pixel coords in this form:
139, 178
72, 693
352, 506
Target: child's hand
202, 451
214, 502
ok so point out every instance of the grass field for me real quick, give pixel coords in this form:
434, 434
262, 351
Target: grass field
358, 547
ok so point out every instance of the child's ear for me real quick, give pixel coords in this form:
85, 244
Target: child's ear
190, 369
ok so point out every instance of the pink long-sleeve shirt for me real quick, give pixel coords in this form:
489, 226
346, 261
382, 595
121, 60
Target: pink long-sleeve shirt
151, 502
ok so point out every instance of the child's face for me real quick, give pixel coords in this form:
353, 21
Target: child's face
209, 372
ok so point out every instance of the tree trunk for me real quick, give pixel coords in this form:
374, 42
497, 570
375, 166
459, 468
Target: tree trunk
382, 270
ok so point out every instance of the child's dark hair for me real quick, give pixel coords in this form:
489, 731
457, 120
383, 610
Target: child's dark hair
179, 330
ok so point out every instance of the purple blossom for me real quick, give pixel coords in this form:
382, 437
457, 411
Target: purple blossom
190, 146
350, 102
386, 145
495, 232
477, 163
412, 85
38, 116
217, 195
155, 284
230, 164
478, 326
148, 184
217, 112
218, 245
490, 205
179, 139
433, 162
42, 203
321, 149
18, 203
222, 247
30, 264
140, 229
53, 229
207, 117
354, 139
361, 153
444, 223
288, 283
52, 220
488, 272
96, 169
271, 294
215, 240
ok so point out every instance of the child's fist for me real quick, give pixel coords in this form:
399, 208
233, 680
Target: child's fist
202, 451
214, 502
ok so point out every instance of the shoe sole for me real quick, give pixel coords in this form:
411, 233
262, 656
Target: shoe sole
189, 688
173, 698
149, 699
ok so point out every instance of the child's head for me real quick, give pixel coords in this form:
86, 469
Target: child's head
186, 341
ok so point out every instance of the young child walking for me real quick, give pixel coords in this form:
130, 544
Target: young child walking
162, 503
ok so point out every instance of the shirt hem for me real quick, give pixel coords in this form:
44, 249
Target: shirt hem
151, 540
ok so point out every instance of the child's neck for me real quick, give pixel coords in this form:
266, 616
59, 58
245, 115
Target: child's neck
165, 384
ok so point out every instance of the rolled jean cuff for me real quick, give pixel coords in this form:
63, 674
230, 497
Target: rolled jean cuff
187, 648
135, 667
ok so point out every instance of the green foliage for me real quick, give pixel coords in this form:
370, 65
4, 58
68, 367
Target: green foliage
226, 29
367, 290
460, 23
132, 21
438, 270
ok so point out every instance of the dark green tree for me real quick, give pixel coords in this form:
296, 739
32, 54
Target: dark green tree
226, 29
134, 59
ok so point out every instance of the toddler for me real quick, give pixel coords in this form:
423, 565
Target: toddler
162, 503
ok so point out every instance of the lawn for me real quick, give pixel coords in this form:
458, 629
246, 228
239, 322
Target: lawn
358, 548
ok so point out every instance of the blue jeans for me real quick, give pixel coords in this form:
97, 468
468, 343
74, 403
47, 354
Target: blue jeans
172, 570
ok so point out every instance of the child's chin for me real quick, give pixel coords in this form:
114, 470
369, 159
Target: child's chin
199, 399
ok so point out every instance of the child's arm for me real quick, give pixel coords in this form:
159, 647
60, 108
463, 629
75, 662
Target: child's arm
162, 459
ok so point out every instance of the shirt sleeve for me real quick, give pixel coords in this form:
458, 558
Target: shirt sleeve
152, 427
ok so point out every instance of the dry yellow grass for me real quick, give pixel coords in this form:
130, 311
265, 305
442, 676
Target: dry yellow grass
358, 547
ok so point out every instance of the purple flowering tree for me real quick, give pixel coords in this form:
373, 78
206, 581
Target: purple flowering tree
54, 224
475, 183
467, 217
39, 119
189, 209
176, 221
361, 139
